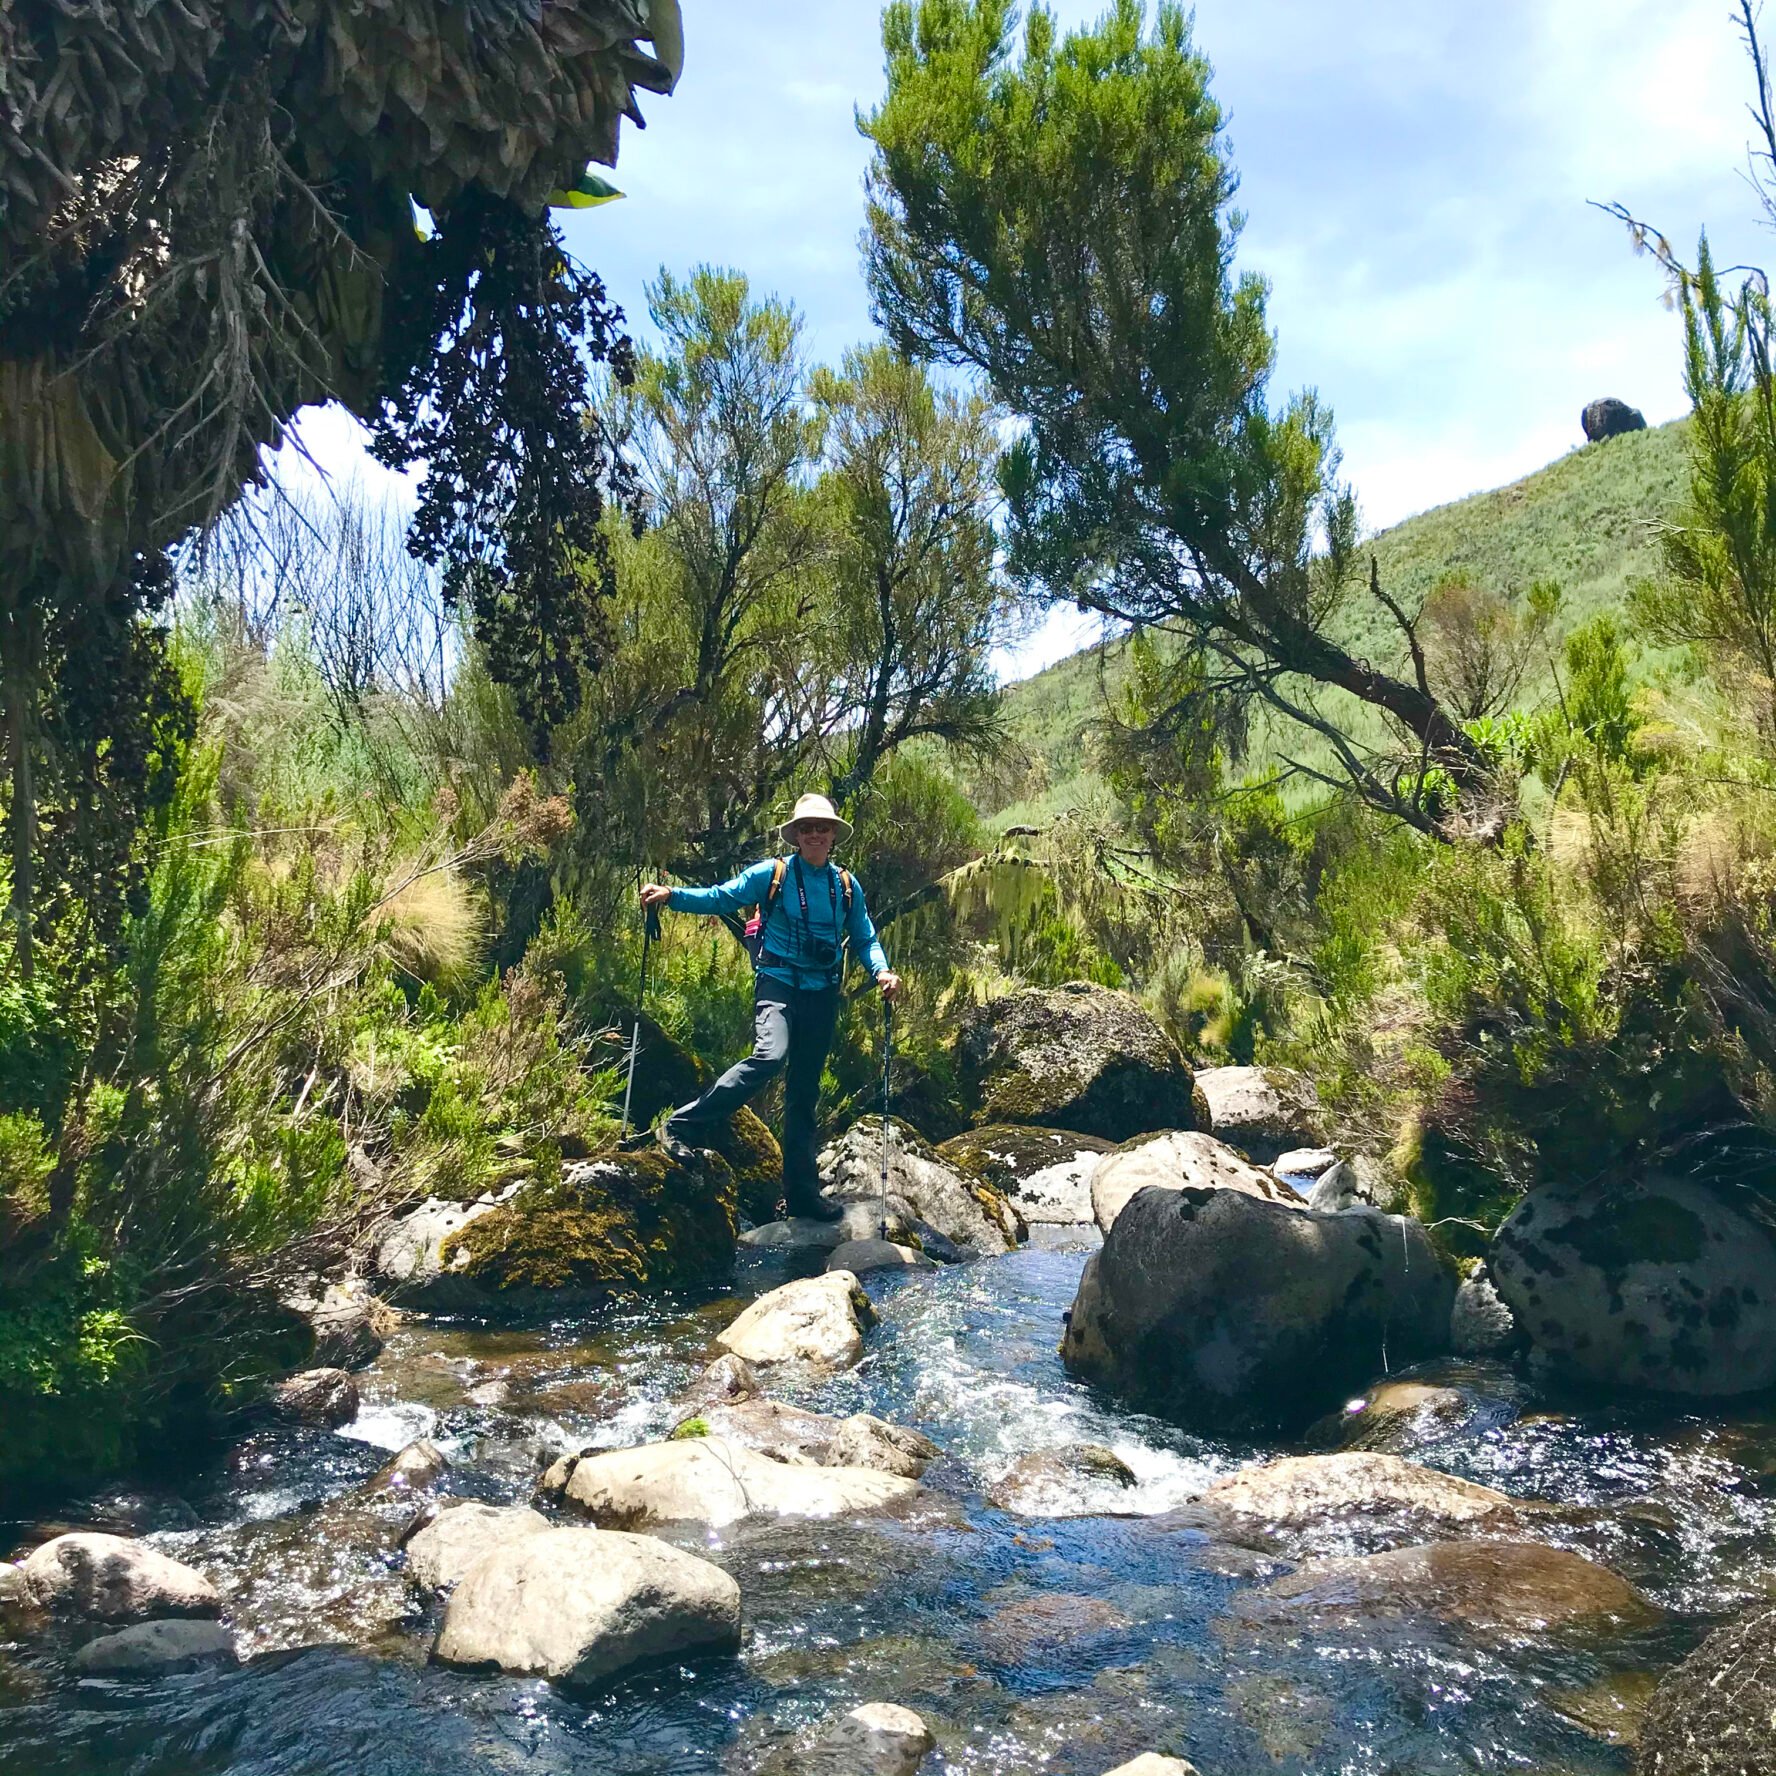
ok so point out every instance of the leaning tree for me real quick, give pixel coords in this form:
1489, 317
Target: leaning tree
207, 222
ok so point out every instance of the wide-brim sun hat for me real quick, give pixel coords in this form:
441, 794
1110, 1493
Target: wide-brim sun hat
815, 807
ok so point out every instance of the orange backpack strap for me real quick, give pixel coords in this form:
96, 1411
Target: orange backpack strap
774, 890
845, 883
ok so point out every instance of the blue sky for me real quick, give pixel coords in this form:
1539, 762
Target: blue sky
1415, 179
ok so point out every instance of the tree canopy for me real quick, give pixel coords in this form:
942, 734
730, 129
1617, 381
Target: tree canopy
1061, 220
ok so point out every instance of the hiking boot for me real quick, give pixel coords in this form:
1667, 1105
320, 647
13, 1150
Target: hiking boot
679, 1152
815, 1208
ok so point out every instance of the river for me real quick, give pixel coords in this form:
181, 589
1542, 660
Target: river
1061, 1645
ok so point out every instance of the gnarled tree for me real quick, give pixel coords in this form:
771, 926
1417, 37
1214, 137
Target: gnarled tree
206, 223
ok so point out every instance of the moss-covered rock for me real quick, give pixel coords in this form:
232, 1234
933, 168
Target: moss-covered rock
1003, 1154
636, 1220
756, 1159
1711, 1715
1075, 1057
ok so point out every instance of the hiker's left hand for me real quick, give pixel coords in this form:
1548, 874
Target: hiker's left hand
889, 982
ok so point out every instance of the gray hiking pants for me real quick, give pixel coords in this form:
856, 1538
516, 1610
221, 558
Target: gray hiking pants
792, 1030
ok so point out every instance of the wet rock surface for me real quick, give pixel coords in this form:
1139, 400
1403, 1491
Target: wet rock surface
710, 1480
1077, 1480
324, 1397
106, 1578
1303, 1491
1713, 1714
462, 1532
580, 1606
1227, 1309
923, 1191
1508, 1587
157, 1649
1654, 1283
860, 1257
873, 1739
1076, 1057
818, 1321
1045, 1172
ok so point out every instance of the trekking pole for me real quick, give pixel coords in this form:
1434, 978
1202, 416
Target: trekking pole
887, 1058
649, 931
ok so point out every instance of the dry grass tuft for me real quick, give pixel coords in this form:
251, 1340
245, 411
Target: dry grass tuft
433, 927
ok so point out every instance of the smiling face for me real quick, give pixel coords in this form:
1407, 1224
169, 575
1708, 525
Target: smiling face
814, 840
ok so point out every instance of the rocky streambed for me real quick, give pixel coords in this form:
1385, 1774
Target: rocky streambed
849, 1510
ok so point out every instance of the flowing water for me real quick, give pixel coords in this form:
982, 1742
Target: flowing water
1062, 1645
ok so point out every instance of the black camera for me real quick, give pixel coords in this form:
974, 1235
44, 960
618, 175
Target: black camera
817, 952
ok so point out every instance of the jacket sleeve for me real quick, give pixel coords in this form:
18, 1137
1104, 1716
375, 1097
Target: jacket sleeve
862, 931
744, 890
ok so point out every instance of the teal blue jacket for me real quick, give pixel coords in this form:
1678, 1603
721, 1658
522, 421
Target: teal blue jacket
783, 934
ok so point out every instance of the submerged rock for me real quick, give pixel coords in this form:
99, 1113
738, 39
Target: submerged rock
327, 1398
1303, 1491
1069, 1482
443, 1550
1177, 1160
1512, 1587
157, 1649
1712, 1715
1654, 1283
1076, 1057
814, 1320
713, 1481
860, 1257
1226, 1309
1263, 1110
922, 1189
875, 1739
107, 1578
415, 1467
582, 1605
1394, 1417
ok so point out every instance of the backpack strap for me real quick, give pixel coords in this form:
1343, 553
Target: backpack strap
845, 883
774, 890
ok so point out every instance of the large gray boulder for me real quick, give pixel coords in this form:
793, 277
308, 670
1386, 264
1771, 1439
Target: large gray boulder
350, 1324
1609, 417
439, 1554
157, 1649
107, 1578
1228, 1310
860, 1257
814, 1321
712, 1481
1711, 1715
581, 1605
1651, 1282
922, 1190
1076, 1057
1177, 1160
1262, 1110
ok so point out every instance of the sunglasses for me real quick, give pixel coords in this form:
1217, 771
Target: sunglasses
819, 828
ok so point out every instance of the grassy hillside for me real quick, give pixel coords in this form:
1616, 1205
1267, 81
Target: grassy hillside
1588, 521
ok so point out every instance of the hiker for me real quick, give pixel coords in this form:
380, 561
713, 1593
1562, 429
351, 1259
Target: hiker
808, 908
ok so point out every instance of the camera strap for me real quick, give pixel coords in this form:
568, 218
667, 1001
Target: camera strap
807, 924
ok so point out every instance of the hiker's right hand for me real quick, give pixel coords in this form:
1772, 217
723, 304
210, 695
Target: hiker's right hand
655, 894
